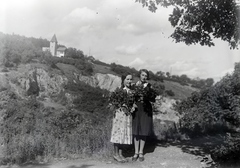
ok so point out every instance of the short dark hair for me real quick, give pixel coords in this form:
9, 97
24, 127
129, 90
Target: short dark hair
143, 70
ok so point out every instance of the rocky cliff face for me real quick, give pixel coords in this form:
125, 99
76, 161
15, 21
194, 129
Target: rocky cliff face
49, 86
3, 81
107, 81
44, 83
104, 81
36, 79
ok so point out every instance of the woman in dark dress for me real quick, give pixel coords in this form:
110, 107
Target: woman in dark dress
142, 118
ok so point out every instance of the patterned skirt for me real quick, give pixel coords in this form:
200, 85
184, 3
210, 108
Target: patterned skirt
121, 128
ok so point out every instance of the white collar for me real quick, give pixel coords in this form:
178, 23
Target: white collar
126, 88
144, 85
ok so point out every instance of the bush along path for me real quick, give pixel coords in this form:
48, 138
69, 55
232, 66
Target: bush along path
184, 154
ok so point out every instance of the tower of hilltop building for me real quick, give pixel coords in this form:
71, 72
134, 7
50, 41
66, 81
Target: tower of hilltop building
53, 45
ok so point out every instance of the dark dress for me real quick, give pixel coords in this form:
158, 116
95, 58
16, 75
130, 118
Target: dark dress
142, 121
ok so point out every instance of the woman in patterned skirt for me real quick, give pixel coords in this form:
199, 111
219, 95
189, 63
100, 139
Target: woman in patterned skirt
122, 124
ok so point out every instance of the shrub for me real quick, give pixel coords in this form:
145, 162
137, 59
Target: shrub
8, 64
169, 93
5, 70
228, 155
30, 132
159, 88
215, 110
3, 89
88, 98
33, 85
121, 70
81, 64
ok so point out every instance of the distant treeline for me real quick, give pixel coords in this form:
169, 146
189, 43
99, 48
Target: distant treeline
160, 76
185, 80
16, 49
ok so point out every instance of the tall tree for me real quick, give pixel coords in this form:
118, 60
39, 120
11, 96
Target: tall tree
199, 21
209, 82
160, 73
74, 53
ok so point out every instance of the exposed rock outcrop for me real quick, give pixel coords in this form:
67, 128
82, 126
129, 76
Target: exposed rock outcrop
107, 81
38, 80
32, 78
3, 80
104, 81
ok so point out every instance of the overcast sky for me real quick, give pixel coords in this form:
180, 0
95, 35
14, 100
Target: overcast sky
119, 31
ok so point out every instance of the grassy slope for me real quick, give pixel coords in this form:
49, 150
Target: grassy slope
102, 69
181, 92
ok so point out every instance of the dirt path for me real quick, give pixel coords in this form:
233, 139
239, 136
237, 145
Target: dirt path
177, 155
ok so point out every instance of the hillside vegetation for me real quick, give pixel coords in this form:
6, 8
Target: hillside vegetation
216, 110
57, 107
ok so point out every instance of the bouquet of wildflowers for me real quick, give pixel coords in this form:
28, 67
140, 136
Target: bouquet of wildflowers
144, 92
121, 99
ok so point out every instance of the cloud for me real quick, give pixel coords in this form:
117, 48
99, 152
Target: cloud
137, 26
191, 69
131, 28
128, 50
137, 63
112, 30
78, 15
219, 76
182, 66
144, 23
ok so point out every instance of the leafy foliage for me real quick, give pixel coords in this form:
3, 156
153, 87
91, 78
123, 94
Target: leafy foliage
121, 70
32, 132
74, 53
83, 65
227, 155
214, 110
142, 92
98, 62
120, 98
159, 88
15, 49
169, 92
200, 21
88, 98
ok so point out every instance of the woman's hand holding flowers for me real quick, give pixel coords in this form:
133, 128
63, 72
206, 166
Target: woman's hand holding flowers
134, 107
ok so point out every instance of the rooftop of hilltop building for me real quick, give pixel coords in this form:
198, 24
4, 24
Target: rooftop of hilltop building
54, 38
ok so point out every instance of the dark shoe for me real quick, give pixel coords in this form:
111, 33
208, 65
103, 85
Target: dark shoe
135, 157
141, 157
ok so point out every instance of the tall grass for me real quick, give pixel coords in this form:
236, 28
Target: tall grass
32, 132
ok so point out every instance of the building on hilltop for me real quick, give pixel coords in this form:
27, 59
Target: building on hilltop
54, 49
